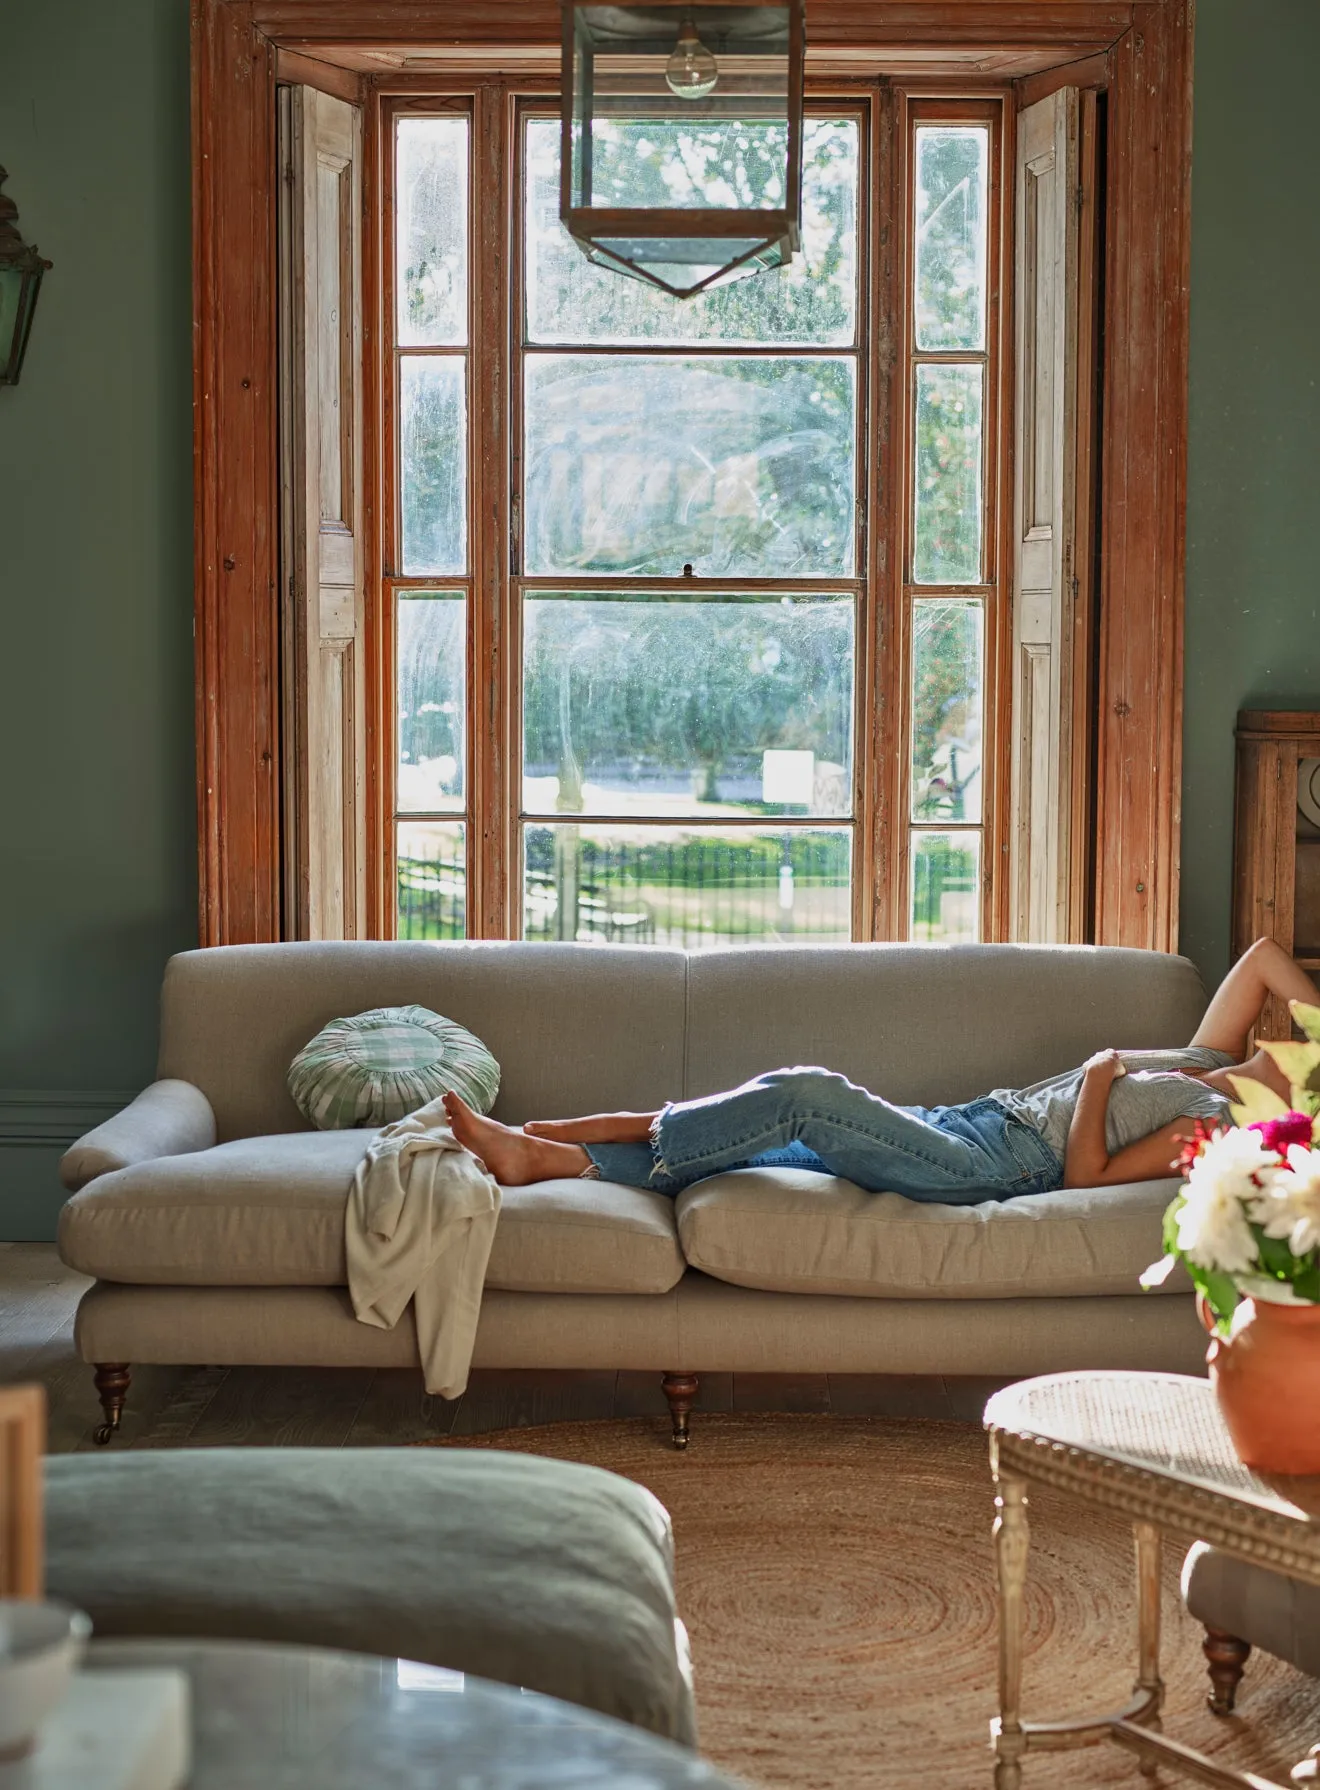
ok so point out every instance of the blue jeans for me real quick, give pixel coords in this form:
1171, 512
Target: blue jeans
815, 1119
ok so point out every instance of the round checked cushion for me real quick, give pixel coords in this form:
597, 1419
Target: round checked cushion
381, 1065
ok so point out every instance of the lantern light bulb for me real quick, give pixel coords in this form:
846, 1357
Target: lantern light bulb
691, 71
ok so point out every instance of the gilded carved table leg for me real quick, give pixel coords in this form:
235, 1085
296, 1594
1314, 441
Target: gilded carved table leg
1011, 1540
1147, 1539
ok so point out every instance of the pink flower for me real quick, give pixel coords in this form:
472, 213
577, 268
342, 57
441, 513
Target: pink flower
1288, 1128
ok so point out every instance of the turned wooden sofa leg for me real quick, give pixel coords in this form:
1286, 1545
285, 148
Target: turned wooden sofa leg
1227, 1657
680, 1390
112, 1378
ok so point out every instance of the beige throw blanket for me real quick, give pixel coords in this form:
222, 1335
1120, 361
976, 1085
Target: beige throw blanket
419, 1225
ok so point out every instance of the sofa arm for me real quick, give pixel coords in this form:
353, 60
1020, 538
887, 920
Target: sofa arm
170, 1118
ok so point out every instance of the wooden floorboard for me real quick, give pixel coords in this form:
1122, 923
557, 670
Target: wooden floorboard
399, 1409
521, 1398
294, 1407
781, 1392
210, 1407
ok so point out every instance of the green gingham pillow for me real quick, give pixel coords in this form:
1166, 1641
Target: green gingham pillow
378, 1066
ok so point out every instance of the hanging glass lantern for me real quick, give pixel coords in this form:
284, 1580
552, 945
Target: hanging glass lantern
21, 268
682, 137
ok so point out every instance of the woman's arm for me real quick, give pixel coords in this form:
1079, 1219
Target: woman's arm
1264, 969
1088, 1162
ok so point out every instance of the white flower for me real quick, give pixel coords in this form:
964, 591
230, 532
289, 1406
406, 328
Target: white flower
1224, 1181
1289, 1205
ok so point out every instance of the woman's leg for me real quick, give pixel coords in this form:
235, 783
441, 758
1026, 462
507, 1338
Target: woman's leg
510, 1155
854, 1134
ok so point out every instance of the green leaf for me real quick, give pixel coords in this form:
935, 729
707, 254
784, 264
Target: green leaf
1220, 1294
1255, 1101
1306, 1283
1170, 1232
1275, 1256
1308, 1018
1297, 1061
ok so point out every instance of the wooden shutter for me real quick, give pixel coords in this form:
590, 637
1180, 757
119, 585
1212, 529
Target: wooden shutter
1045, 513
323, 685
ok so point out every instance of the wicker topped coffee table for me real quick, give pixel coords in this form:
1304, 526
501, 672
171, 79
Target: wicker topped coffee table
1154, 1448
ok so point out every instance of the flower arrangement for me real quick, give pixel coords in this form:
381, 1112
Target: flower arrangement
1247, 1218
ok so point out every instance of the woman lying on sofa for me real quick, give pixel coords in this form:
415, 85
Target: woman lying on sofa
1122, 1117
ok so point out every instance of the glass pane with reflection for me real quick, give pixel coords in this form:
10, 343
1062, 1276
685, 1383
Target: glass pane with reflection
947, 674
950, 199
431, 879
430, 655
947, 525
738, 466
431, 232
813, 299
946, 888
433, 463
662, 706
687, 886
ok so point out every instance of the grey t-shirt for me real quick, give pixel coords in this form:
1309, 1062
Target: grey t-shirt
1151, 1095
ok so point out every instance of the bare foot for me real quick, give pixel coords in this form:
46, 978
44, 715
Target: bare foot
510, 1156
597, 1128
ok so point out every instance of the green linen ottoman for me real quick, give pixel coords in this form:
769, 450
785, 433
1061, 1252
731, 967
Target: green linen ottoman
538, 1573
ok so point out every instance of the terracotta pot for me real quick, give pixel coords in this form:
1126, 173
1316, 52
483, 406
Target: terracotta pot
1266, 1374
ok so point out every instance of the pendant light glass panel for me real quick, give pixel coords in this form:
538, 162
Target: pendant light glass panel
682, 151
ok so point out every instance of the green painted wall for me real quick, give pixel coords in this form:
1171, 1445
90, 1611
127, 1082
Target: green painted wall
97, 846
1253, 582
97, 841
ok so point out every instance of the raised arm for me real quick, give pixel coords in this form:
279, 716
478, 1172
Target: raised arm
1088, 1162
1263, 970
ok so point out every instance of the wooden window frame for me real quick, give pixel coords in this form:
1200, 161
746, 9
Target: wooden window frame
1139, 51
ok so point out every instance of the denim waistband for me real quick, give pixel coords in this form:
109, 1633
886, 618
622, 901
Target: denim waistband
1025, 1143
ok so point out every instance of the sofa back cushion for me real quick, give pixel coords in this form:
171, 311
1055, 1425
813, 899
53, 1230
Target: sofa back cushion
930, 1025
587, 1028
574, 1028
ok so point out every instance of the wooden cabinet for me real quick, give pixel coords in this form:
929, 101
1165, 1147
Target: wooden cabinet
1276, 845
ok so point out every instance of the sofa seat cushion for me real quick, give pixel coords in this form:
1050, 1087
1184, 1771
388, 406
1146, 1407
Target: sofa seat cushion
533, 1572
269, 1211
794, 1231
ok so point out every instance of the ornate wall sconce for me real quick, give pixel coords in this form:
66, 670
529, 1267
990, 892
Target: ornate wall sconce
21, 268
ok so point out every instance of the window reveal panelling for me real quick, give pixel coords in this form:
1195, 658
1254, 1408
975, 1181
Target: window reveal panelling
954, 722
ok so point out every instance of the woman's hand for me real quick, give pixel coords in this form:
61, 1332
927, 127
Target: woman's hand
1086, 1161
1105, 1066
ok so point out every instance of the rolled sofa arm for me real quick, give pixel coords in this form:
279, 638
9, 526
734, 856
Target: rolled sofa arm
170, 1118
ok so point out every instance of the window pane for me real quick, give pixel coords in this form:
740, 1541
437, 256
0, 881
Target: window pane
946, 708
814, 299
431, 243
947, 546
740, 467
946, 888
950, 224
433, 463
430, 672
432, 880
657, 707
687, 886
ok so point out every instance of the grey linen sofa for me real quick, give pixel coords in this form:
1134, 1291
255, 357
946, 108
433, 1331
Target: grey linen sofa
212, 1218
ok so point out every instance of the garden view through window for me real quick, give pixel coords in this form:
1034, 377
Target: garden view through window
691, 600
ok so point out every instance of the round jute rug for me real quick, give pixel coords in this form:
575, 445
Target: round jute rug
837, 1579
